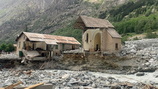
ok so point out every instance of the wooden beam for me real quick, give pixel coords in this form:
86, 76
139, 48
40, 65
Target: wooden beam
12, 86
33, 86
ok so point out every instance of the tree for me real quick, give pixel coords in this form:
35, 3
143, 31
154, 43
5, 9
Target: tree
7, 48
10, 48
3, 46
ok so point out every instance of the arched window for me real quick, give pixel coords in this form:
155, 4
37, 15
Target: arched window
87, 38
116, 46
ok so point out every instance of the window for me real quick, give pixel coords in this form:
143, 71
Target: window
34, 46
47, 47
87, 37
116, 46
56, 47
63, 46
19, 44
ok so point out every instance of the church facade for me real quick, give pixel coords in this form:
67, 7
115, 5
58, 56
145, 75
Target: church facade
98, 35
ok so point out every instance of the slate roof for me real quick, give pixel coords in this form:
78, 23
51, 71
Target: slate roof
94, 22
113, 33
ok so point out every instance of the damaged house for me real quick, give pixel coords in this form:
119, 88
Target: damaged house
98, 35
35, 46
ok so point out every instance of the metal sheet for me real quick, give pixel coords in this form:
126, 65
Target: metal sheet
51, 39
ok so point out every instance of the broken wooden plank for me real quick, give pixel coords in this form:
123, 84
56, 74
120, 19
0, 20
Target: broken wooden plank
13, 85
33, 86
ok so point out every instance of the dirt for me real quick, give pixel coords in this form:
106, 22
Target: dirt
81, 62
90, 62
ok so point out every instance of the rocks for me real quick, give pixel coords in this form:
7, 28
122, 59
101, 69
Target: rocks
145, 51
60, 79
140, 74
142, 48
9, 56
147, 69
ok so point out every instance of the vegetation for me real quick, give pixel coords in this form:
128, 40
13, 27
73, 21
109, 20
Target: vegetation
7, 47
130, 18
135, 17
70, 31
151, 35
138, 25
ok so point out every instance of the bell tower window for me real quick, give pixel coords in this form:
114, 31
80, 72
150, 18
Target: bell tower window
87, 37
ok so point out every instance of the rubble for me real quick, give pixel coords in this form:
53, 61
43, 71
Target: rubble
9, 56
146, 50
62, 79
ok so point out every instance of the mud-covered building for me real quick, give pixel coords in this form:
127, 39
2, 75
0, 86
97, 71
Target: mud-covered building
98, 35
35, 46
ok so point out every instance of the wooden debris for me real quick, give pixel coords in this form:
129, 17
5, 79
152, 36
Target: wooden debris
33, 86
12, 86
28, 72
149, 87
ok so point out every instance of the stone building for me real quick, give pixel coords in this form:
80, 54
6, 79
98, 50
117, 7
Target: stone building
35, 46
98, 35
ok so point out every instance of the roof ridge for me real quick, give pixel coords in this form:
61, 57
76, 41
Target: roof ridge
47, 34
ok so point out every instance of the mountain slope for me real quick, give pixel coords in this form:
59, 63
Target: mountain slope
56, 16
45, 16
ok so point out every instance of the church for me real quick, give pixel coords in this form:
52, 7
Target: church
98, 35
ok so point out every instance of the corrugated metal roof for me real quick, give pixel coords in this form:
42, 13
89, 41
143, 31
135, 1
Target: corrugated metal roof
52, 42
113, 33
50, 39
95, 22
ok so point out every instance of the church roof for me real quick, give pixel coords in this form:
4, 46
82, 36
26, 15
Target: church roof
93, 22
113, 33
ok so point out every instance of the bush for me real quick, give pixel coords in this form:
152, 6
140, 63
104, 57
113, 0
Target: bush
136, 38
151, 35
7, 47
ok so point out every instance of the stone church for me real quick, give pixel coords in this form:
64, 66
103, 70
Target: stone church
98, 35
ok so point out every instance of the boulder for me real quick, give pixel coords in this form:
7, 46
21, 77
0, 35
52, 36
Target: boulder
147, 69
140, 74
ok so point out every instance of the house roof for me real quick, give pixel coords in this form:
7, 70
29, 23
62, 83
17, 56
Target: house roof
93, 22
113, 33
49, 39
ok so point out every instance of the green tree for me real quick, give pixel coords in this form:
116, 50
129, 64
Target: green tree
10, 48
7, 47
3, 46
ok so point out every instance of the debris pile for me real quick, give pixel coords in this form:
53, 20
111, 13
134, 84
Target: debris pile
144, 49
9, 56
62, 79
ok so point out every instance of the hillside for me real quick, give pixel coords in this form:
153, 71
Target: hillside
57, 16
45, 16
135, 17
